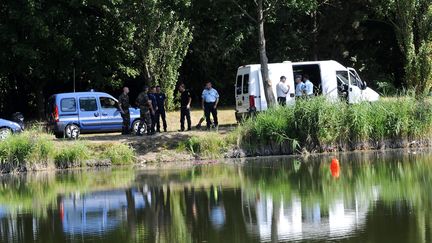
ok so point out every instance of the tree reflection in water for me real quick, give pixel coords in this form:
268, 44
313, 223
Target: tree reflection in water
378, 197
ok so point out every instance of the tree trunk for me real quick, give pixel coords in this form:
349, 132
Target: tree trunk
315, 35
268, 90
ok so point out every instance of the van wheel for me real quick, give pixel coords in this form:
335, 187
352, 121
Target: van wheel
135, 126
5, 133
72, 131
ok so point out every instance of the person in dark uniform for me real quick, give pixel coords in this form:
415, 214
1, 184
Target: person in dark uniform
124, 110
160, 113
210, 101
146, 108
185, 102
152, 97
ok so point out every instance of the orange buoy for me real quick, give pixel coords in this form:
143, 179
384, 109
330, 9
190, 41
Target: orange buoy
335, 168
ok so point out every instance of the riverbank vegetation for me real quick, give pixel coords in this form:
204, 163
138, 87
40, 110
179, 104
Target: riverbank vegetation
317, 125
36, 150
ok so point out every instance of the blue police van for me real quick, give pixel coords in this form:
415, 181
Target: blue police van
70, 114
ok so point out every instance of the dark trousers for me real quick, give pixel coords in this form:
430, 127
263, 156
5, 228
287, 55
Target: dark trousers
282, 101
126, 122
153, 121
144, 119
161, 114
209, 109
185, 114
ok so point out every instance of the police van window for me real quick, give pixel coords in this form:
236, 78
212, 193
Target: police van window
239, 85
88, 104
246, 84
108, 103
68, 105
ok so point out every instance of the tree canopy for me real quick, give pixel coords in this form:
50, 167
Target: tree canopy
110, 43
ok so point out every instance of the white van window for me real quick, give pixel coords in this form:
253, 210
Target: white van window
88, 104
342, 76
353, 79
68, 105
239, 85
246, 84
108, 103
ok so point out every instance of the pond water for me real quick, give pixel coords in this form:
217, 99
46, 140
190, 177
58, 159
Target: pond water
374, 197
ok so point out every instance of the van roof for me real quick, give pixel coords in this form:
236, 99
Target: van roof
81, 94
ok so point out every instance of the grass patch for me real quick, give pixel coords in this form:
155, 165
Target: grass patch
211, 145
72, 155
117, 153
29, 147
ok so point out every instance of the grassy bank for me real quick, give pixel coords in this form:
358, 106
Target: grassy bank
317, 125
35, 150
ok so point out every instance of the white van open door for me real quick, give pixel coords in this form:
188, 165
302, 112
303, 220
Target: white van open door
242, 91
354, 91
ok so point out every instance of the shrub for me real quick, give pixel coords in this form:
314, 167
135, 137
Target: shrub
119, 154
72, 155
211, 145
29, 147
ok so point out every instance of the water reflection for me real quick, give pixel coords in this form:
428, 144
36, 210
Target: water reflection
377, 197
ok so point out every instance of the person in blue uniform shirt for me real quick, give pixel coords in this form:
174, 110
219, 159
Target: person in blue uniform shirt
299, 87
210, 101
160, 113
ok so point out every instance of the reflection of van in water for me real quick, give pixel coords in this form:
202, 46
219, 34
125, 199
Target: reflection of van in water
330, 79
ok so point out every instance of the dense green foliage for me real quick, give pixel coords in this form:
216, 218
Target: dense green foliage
318, 124
105, 44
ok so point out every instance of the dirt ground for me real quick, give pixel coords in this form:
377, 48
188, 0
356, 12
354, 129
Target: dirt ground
162, 147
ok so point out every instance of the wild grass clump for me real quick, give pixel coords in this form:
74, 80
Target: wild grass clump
27, 148
211, 145
118, 154
74, 154
317, 123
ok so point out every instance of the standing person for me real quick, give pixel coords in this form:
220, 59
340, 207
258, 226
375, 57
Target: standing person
146, 108
282, 90
300, 86
309, 87
210, 100
124, 110
152, 97
185, 102
160, 114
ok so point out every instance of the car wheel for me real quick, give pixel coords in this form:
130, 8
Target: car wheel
135, 126
72, 131
5, 133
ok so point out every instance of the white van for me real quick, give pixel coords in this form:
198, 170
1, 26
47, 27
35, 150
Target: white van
330, 79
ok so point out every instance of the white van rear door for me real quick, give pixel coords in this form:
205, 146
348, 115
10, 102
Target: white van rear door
242, 91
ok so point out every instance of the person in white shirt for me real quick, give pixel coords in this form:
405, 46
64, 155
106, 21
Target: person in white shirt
309, 87
282, 90
300, 86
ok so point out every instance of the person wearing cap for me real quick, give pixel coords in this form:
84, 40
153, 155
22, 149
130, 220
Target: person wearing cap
309, 87
146, 108
300, 86
282, 90
210, 100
